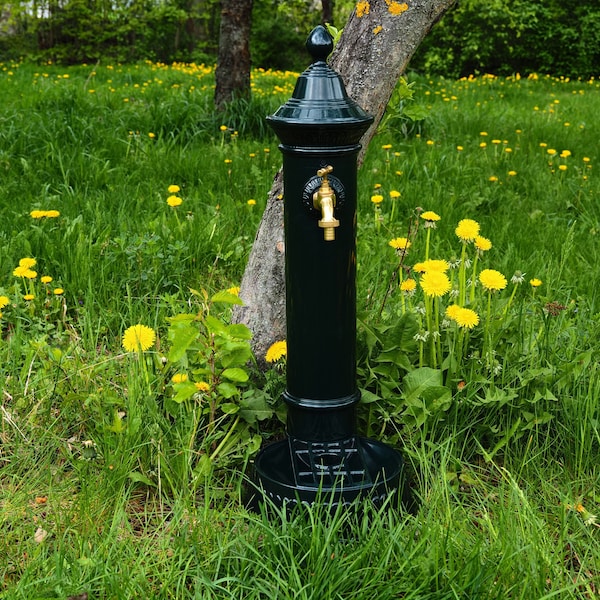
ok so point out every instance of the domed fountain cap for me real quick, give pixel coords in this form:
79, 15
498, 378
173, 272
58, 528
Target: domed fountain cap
320, 113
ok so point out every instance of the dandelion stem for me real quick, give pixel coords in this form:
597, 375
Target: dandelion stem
462, 276
474, 278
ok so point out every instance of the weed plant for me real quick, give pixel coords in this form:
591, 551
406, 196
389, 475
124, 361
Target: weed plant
131, 408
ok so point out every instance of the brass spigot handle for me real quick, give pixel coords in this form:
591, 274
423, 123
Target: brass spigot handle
324, 201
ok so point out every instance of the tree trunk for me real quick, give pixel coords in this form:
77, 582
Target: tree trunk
233, 62
374, 50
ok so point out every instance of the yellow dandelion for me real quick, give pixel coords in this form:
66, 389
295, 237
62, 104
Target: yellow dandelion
377, 199
452, 310
535, 282
512, 173
482, 243
400, 243
4, 301
492, 280
202, 386
179, 378
419, 267
395, 194
37, 214
58, 291
251, 202
173, 189
493, 179
429, 215
46, 279
408, 285
223, 128
562, 167
52, 214
386, 147
440, 266
234, 290
467, 230
174, 201
27, 263
138, 337
276, 351
466, 318
151, 135
28, 297
435, 283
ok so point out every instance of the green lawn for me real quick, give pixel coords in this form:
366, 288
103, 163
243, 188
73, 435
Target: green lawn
123, 473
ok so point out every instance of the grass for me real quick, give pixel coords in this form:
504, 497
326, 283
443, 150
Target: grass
119, 478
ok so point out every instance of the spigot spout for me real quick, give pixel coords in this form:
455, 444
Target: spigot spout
324, 200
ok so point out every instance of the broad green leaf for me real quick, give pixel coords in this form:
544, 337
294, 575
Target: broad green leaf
227, 298
367, 397
235, 374
183, 391
239, 331
417, 381
229, 408
227, 390
235, 353
255, 409
182, 337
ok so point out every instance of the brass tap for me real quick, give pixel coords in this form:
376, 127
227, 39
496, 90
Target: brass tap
324, 200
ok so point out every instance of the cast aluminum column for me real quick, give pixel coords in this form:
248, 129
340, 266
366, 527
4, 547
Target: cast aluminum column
320, 129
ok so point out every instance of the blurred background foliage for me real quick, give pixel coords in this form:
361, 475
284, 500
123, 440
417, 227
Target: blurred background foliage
557, 37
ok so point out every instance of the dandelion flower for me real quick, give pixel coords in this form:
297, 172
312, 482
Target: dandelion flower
223, 128
4, 301
173, 189
482, 243
28, 297
400, 243
452, 310
466, 318
27, 263
251, 202
179, 378
535, 282
174, 201
467, 230
429, 215
138, 337
58, 291
435, 283
408, 286
37, 214
276, 351
202, 386
395, 194
52, 214
46, 279
377, 199
441, 266
492, 280
22, 271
